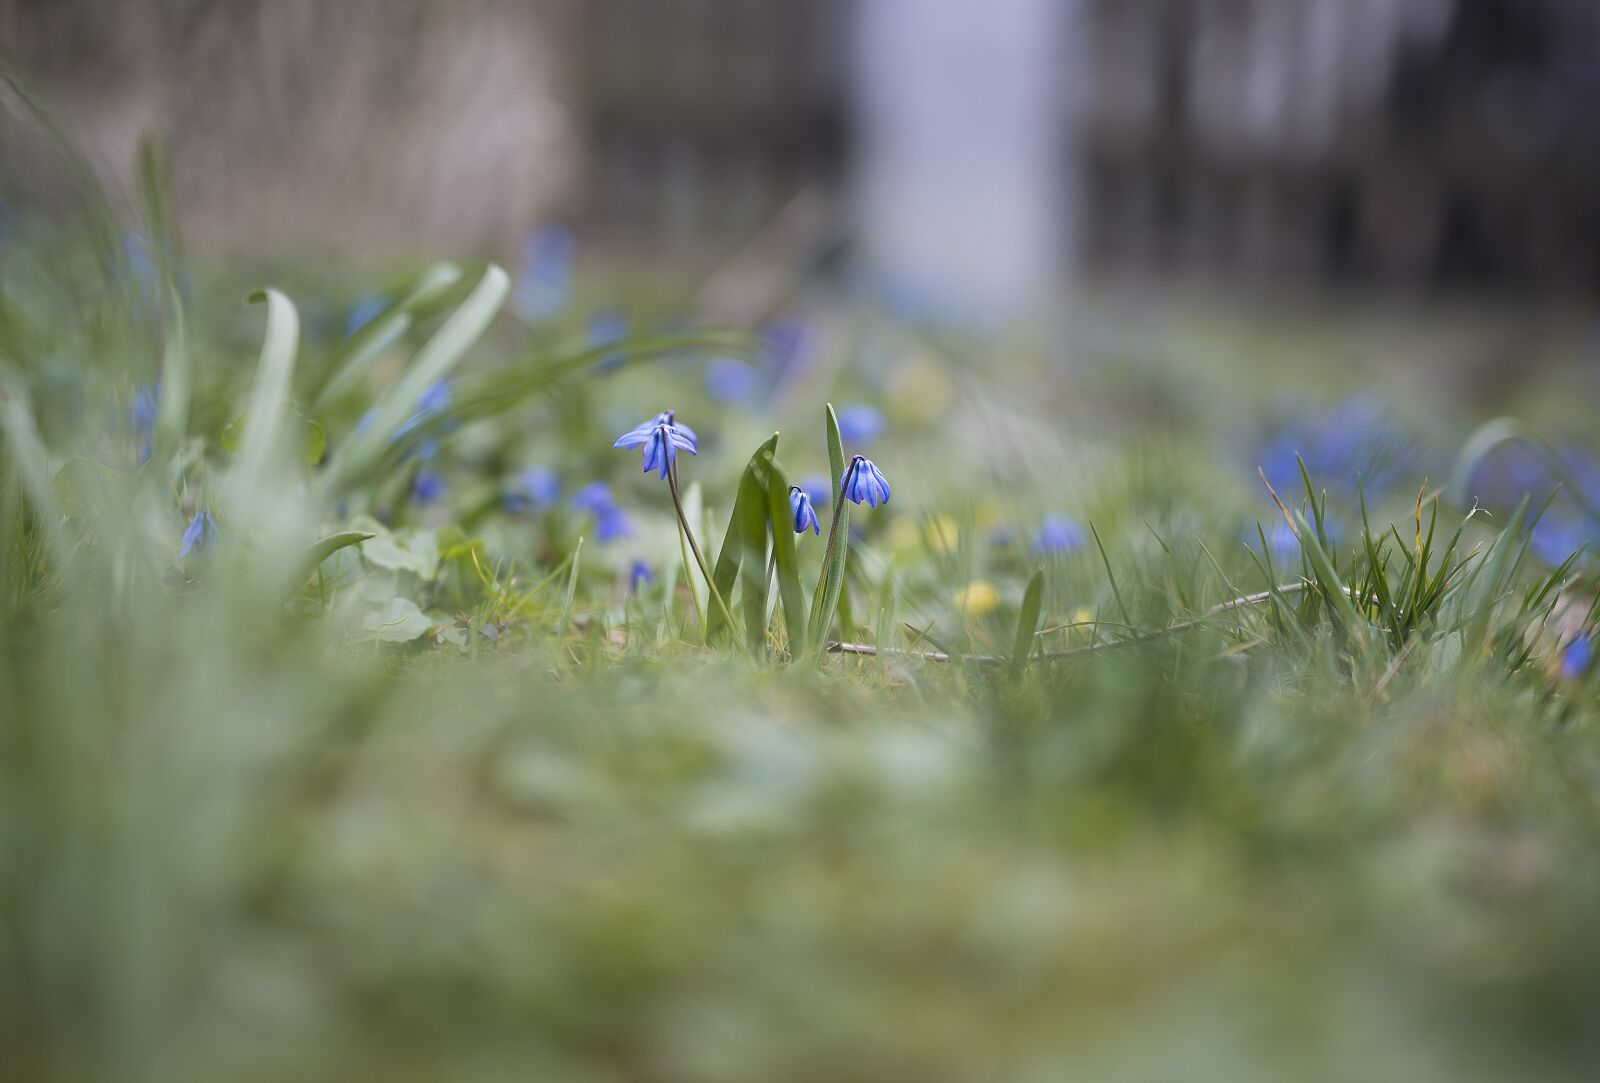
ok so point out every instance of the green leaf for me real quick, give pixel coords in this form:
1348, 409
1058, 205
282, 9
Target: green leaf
783, 555
748, 519
269, 402
405, 550
331, 545
398, 621
1027, 624
831, 582
87, 489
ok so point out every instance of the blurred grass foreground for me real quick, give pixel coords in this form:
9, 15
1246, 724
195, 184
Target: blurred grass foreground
366, 714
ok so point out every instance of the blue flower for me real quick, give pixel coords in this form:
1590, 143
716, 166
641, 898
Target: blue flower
661, 437
1057, 535
865, 482
536, 488
805, 515
818, 487
1576, 658
860, 424
612, 524
1556, 537
545, 274
435, 399
201, 529
364, 311
594, 498
428, 486
785, 346
639, 575
730, 380
146, 404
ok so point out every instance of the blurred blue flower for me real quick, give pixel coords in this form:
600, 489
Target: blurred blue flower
612, 524
731, 380
639, 575
1057, 536
544, 277
364, 311
435, 399
1353, 443
146, 404
1557, 535
860, 425
805, 515
201, 529
535, 489
661, 437
594, 498
819, 488
865, 482
785, 346
608, 328
1577, 657
428, 486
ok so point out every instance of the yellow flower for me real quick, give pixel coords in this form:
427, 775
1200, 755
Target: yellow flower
977, 598
941, 534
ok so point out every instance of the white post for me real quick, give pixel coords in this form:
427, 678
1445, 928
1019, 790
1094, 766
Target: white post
963, 190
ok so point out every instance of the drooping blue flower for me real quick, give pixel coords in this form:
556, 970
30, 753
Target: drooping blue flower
730, 380
804, 513
639, 575
608, 328
428, 486
661, 438
1057, 536
201, 529
364, 311
860, 425
864, 482
545, 274
1577, 657
534, 489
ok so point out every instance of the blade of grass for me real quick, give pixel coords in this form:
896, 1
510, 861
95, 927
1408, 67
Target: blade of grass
785, 560
825, 600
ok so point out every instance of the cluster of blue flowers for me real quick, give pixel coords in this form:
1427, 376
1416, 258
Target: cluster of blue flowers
611, 522
1354, 443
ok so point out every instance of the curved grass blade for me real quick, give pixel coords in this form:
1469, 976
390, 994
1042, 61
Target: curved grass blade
831, 582
269, 400
433, 363
784, 558
331, 545
355, 355
572, 589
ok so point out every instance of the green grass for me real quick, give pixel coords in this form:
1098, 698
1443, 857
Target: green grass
368, 789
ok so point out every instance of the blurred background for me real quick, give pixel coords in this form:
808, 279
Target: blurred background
957, 161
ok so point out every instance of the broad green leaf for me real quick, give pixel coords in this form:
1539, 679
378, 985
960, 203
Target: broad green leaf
783, 555
831, 582
749, 506
1027, 624
87, 489
404, 550
398, 621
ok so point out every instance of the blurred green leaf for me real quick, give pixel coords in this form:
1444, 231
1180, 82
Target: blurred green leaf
398, 621
785, 558
739, 544
831, 582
